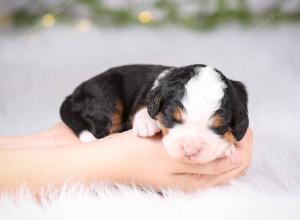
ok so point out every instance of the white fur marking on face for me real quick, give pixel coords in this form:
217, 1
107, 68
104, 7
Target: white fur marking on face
159, 77
203, 95
144, 125
86, 136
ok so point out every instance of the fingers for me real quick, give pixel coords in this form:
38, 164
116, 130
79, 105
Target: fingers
220, 171
238, 162
213, 180
192, 182
224, 170
247, 141
240, 156
217, 166
245, 146
223, 165
186, 182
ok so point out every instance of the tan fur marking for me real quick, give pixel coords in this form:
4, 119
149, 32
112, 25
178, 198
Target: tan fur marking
229, 137
177, 114
116, 118
164, 130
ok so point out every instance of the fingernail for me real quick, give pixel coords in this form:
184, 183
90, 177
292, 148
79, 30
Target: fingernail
236, 158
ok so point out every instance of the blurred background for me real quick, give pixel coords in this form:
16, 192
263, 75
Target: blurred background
48, 47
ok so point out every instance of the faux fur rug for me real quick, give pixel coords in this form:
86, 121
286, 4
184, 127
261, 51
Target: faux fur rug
38, 69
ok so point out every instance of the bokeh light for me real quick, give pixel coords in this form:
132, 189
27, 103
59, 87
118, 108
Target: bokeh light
145, 17
48, 20
84, 25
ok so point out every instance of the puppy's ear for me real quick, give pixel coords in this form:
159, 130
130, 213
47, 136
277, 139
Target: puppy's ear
239, 99
154, 100
157, 96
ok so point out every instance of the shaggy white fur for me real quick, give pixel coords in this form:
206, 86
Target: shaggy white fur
46, 66
237, 201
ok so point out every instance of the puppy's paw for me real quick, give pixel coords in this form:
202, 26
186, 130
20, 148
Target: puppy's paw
144, 125
87, 136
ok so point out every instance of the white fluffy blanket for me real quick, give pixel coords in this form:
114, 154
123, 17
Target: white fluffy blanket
45, 66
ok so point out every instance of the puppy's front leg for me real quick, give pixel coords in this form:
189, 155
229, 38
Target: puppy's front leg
144, 125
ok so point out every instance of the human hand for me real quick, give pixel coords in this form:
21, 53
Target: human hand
123, 158
143, 161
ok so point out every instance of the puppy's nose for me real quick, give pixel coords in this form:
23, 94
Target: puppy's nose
191, 150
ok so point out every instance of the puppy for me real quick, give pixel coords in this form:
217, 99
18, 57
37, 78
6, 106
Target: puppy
200, 113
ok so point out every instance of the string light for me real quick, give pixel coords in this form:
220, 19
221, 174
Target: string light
145, 17
48, 20
84, 25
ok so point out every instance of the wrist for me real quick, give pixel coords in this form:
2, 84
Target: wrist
122, 160
112, 159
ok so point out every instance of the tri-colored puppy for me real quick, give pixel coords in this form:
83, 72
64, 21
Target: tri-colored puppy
199, 111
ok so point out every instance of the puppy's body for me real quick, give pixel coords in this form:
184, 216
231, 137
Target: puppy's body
196, 107
105, 103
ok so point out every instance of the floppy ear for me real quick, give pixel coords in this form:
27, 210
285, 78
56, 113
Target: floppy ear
239, 100
158, 95
153, 101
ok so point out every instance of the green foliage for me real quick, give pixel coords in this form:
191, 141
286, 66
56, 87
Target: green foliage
104, 15
23, 18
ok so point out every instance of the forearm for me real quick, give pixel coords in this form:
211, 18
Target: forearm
122, 158
58, 135
37, 167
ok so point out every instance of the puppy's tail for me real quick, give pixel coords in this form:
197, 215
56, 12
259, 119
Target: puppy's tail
72, 118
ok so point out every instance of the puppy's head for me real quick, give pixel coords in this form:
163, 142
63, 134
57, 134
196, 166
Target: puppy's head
201, 113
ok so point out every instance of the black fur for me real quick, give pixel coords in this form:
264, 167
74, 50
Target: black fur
92, 104
234, 110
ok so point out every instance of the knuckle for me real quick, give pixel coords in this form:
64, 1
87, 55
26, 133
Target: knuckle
215, 168
246, 161
221, 166
243, 172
